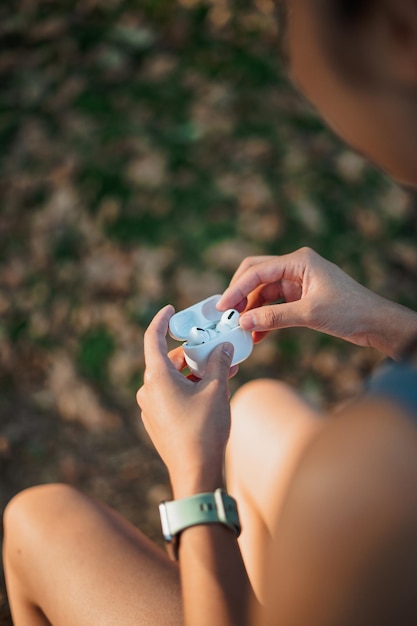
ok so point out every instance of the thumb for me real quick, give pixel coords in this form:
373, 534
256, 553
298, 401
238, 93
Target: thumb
275, 316
219, 362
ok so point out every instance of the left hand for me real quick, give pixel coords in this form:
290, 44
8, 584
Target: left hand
188, 420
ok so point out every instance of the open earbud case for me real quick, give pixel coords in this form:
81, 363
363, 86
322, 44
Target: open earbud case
205, 315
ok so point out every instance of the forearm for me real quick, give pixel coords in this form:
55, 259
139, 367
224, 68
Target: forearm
214, 582
189, 423
393, 326
215, 586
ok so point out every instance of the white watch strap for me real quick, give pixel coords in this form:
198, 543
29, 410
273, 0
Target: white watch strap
203, 508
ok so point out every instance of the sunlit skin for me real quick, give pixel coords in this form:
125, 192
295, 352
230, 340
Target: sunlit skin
378, 120
328, 506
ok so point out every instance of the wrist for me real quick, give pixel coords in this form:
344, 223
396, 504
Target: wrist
394, 326
200, 509
186, 485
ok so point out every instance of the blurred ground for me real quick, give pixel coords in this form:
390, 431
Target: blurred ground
147, 147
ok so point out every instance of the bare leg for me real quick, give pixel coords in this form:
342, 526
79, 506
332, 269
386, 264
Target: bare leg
72, 561
345, 546
271, 427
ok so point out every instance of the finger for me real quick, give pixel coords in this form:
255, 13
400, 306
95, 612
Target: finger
139, 396
155, 344
177, 358
265, 294
193, 378
288, 267
291, 290
256, 299
233, 371
219, 363
258, 336
241, 306
238, 306
272, 317
248, 263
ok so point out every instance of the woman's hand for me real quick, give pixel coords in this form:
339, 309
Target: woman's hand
316, 294
188, 420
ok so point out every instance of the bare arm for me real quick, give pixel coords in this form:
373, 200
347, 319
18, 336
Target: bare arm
215, 587
317, 294
189, 423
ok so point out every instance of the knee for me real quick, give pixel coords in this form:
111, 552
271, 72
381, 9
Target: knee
30, 513
251, 394
271, 414
256, 410
30, 503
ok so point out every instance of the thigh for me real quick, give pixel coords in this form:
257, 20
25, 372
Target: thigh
271, 428
83, 564
345, 547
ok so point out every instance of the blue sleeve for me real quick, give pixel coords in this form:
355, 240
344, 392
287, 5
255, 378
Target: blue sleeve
396, 382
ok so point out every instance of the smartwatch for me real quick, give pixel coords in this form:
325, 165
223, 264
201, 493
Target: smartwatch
203, 508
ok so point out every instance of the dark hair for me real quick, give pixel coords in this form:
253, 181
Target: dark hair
348, 12
340, 21
343, 23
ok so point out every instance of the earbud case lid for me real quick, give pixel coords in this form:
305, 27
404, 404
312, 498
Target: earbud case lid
201, 315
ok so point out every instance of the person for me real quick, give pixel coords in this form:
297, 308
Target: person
328, 506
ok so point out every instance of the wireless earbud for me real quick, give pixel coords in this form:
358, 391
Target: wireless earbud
198, 336
228, 321
202, 328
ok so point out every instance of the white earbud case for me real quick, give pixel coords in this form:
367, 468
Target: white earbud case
205, 315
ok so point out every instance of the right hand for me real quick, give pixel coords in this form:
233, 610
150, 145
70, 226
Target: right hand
314, 293
188, 419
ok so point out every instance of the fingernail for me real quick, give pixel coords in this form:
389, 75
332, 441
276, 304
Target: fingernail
247, 322
228, 349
